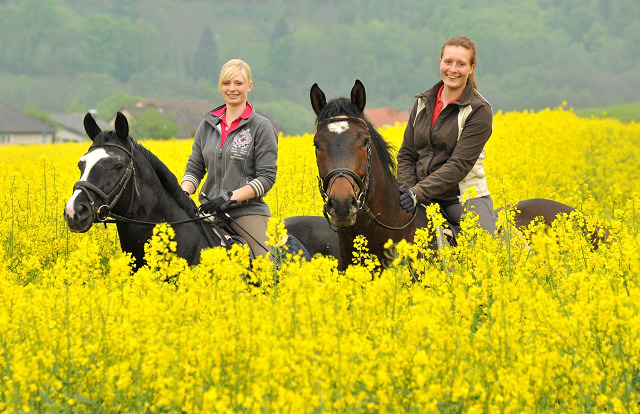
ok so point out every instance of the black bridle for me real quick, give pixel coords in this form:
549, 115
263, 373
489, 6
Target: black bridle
103, 211
325, 183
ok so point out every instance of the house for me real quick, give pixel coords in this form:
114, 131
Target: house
187, 113
18, 128
70, 127
380, 117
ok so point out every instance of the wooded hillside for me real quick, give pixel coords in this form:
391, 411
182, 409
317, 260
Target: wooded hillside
72, 55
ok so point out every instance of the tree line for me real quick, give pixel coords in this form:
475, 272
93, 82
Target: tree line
72, 55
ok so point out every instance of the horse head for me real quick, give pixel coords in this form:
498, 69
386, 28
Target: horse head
343, 153
105, 172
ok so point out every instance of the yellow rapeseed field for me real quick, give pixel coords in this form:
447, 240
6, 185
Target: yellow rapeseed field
535, 321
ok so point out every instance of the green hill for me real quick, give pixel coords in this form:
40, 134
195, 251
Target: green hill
624, 112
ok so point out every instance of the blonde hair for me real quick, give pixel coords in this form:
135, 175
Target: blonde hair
232, 68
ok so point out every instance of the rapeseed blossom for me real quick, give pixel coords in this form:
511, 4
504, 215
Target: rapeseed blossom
534, 320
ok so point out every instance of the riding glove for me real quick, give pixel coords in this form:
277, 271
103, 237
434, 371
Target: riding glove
217, 204
408, 200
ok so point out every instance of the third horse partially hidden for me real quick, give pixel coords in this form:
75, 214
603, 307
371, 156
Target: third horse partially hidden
357, 181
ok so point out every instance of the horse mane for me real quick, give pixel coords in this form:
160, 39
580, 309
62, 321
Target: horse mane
344, 107
167, 178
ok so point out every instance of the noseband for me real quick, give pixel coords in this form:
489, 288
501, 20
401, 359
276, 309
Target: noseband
101, 212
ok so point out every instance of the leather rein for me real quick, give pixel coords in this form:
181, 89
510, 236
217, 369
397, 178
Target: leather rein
362, 183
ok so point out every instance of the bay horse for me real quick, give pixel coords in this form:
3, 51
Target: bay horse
357, 180
122, 181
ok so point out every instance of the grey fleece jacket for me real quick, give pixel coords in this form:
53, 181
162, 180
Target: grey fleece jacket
249, 156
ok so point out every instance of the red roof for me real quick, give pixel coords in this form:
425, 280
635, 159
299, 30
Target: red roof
380, 117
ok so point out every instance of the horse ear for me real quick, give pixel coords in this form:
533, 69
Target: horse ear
358, 96
122, 126
90, 126
318, 100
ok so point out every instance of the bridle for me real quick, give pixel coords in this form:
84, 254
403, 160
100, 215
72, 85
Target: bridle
101, 212
325, 183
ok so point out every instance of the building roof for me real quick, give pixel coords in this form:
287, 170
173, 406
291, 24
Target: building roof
187, 113
13, 121
380, 117
75, 123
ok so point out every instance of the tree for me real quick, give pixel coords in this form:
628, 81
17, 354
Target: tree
26, 28
152, 124
205, 60
114, 102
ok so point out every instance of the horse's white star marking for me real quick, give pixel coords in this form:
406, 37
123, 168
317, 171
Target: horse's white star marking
338, 127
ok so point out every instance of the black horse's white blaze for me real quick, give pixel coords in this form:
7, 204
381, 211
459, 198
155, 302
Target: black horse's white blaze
90, 160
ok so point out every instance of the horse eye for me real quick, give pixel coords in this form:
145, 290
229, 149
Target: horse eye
365, 142
119, 166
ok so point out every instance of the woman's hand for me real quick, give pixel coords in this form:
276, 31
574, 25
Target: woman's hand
408, 200
218, 204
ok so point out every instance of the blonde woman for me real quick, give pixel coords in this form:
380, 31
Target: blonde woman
237, 149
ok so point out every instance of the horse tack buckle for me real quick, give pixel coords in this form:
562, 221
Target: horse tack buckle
102, 213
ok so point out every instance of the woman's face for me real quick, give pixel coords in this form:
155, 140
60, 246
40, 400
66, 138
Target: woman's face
235, 90
455, 66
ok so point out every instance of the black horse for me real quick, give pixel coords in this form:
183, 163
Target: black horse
124, 182
358, 183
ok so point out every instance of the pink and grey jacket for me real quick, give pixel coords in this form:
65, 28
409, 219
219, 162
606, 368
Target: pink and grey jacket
249, 156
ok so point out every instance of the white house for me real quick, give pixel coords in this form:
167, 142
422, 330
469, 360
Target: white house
18, 128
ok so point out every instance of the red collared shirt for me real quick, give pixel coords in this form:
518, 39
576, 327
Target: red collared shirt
224, 127
439, 105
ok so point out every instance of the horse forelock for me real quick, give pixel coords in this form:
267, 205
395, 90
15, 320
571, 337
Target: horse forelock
110, 137
344, 107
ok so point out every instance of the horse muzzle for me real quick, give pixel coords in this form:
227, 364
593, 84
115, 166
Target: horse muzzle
341, 212
78, 214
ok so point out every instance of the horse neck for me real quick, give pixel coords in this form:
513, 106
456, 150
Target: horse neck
153, 204
383, 198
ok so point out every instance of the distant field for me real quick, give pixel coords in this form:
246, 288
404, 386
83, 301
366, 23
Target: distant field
624, 112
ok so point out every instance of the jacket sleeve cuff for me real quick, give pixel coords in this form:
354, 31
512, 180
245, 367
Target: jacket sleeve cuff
258, 187
192, 179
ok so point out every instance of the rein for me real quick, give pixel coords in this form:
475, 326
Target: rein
104, 214
325, 184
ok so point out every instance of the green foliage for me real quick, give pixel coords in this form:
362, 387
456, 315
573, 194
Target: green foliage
113, 103
153, 125
624, 112
40, 114
205, 63
299, 120
532, 54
